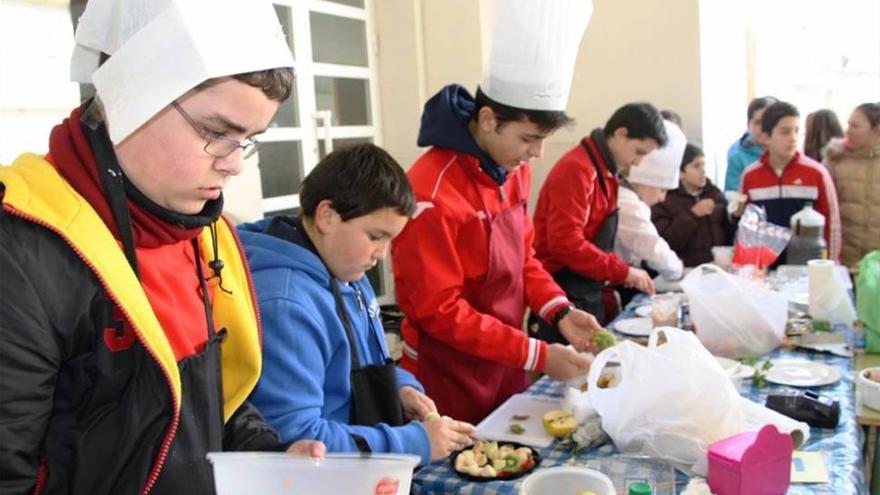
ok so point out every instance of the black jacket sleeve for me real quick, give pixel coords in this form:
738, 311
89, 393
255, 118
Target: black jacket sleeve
30, 357
247, 430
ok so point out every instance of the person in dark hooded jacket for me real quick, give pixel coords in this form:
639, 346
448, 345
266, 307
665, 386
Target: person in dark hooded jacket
694, 217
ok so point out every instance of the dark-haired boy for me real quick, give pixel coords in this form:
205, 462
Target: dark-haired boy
783, 180
576, 215
464, 268
748, 148
327, 374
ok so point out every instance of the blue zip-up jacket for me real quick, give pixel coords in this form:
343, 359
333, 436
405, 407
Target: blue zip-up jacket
741, 154
304, 391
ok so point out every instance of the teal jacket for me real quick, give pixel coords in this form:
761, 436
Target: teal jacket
741, 154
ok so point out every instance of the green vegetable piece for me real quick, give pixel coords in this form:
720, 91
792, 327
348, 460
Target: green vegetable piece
517, 429
604, 339
521, 417
512, 463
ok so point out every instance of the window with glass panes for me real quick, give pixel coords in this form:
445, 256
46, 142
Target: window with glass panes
333, 103
334, 95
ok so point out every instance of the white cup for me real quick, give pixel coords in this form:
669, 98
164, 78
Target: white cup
722, 256
734, 200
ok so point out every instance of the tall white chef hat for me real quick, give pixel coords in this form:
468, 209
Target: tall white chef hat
160, 49
661, 167
534, 49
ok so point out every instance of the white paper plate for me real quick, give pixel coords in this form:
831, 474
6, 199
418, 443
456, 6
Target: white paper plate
635, 327
801, 300
797, 373
496, 426
644, 311
735, 369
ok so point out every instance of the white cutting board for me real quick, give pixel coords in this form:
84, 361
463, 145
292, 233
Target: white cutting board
496, 426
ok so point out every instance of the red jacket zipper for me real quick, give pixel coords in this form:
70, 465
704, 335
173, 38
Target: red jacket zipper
175, 421
42, 473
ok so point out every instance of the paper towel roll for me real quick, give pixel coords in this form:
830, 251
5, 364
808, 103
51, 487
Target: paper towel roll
756, 416
829, 299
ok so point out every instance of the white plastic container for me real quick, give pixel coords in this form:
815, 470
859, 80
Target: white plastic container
722, 256
870, 389
567, 480
269, 473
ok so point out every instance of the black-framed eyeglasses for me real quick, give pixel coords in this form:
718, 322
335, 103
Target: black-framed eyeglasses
218, 145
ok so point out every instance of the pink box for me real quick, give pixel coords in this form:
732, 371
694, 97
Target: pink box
751, 463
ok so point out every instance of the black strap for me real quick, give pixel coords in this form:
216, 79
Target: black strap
346, 324
209, 313
361, 444
595, 161
111, 179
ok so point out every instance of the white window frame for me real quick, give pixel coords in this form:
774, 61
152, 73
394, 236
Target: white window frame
310, 131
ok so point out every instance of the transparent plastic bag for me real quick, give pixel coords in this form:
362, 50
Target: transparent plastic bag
758, 242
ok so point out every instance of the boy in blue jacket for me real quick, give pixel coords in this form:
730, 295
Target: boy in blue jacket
747, 149
327, 374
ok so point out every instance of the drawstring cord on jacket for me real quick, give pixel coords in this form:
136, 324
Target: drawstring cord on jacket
216, 265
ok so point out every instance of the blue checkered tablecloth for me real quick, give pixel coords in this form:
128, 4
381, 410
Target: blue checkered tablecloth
842, 446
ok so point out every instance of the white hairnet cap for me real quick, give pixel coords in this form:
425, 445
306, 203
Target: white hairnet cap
534, 49
661, 167
160, 49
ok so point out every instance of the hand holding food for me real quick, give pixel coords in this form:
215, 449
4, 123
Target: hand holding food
447, 435
416, 405
578, 327
603, 340
564, 363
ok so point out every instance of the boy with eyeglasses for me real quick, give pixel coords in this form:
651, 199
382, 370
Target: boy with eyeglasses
120, 278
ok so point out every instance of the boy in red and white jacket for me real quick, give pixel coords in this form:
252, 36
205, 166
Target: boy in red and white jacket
783, 180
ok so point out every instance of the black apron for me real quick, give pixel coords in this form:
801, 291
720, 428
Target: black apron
584, 292
186, 469
374, 394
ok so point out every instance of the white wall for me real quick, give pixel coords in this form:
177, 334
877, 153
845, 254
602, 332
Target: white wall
36, 41
723, 82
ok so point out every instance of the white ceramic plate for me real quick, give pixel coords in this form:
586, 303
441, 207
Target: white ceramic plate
644, 311
797, 373
635, 327
735, 369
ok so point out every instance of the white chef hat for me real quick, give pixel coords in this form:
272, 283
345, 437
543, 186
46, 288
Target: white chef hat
534, 49
160, 49
661, 167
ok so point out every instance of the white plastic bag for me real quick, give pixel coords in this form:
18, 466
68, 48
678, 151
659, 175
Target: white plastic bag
672, 401
829, 296
733, 316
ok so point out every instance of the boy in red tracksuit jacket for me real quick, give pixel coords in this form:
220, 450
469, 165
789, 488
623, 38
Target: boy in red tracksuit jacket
576, 215
462, 331
464, 269
783, 180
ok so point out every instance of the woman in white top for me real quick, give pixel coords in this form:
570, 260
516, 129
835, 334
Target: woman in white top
646, 185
